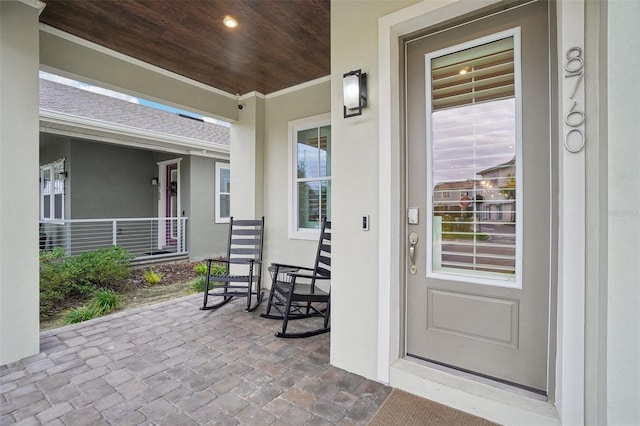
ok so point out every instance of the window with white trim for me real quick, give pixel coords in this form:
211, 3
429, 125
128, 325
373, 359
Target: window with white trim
223, 192
52, 178
310, 175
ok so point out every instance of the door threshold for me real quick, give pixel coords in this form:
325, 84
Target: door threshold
467, 375
498, 403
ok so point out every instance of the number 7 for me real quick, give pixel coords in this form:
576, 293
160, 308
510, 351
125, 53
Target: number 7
575, 87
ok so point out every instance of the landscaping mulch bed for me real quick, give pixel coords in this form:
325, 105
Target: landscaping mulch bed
135, 291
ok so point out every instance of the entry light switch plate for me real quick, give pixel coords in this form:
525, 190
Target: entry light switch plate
412, 215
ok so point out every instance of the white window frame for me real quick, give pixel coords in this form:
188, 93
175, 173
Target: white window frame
219, 168
516, 281
55, 189
295, 126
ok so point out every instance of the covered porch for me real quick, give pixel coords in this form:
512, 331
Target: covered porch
593, 316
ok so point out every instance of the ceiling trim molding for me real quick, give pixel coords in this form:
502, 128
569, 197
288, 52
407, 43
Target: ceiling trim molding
36, 4
300, 86
93, 46
251, 95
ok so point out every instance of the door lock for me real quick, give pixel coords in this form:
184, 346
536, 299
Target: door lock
413, 240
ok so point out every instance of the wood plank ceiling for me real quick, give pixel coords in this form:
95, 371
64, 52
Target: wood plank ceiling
277, 44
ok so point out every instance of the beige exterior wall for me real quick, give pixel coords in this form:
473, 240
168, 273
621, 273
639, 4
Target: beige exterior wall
280, 109
354, 45
246, 157
19, 287
623, 214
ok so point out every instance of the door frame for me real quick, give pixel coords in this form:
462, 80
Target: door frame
567, 352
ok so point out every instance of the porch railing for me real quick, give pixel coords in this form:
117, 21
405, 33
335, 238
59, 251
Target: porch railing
143, 237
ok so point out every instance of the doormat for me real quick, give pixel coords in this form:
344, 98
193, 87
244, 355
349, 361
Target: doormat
402, 408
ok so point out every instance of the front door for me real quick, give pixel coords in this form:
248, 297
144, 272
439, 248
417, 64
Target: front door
171, 206
478, 196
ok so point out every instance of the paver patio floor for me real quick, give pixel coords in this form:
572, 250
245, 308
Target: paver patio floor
172, 364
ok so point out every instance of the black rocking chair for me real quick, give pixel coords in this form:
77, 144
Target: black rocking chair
294, 293
243, 266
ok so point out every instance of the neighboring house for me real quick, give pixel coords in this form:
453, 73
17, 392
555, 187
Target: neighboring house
117, 172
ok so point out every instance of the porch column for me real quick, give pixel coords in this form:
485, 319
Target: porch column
19, 288
247, 170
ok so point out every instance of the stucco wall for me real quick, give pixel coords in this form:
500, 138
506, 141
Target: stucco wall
623, 331
354, 45
205, 237
110, 181
19, 319
279, 111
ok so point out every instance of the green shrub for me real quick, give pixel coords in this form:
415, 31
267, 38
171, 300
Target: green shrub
77, 315
216, 269
58, 279
151, 277
104, 267
104, 301
198, 285
200, 268
64, 278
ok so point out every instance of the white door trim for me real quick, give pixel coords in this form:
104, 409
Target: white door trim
569, 383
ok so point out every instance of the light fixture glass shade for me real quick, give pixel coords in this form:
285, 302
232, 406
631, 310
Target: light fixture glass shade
351, 91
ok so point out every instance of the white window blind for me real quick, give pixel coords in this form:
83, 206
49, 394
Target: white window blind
478, 74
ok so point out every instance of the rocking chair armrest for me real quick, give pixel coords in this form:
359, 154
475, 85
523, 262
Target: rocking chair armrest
284, 265
310, 276
236, 261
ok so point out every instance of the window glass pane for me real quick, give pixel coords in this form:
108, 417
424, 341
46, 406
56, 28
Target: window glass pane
473, 157
46, 206
46, 181
225, 205
325, 199
313, 203
325, 151
224, 180
308, 156
57, 212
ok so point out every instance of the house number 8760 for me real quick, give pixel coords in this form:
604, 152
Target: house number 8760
574, 118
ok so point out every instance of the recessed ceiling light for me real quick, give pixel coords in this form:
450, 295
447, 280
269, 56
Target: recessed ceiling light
230, 21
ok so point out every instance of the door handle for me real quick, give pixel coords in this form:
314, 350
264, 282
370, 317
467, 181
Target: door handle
413, 241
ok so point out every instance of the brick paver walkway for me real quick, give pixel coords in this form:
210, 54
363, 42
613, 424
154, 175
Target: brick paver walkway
172, 364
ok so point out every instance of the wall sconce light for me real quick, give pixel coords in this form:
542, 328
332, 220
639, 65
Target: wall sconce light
354, 92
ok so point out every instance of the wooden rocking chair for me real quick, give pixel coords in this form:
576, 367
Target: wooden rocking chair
243, 266
294, 293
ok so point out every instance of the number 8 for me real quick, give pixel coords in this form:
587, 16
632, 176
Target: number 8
570, 59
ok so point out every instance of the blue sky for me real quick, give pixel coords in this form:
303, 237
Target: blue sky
125, 97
